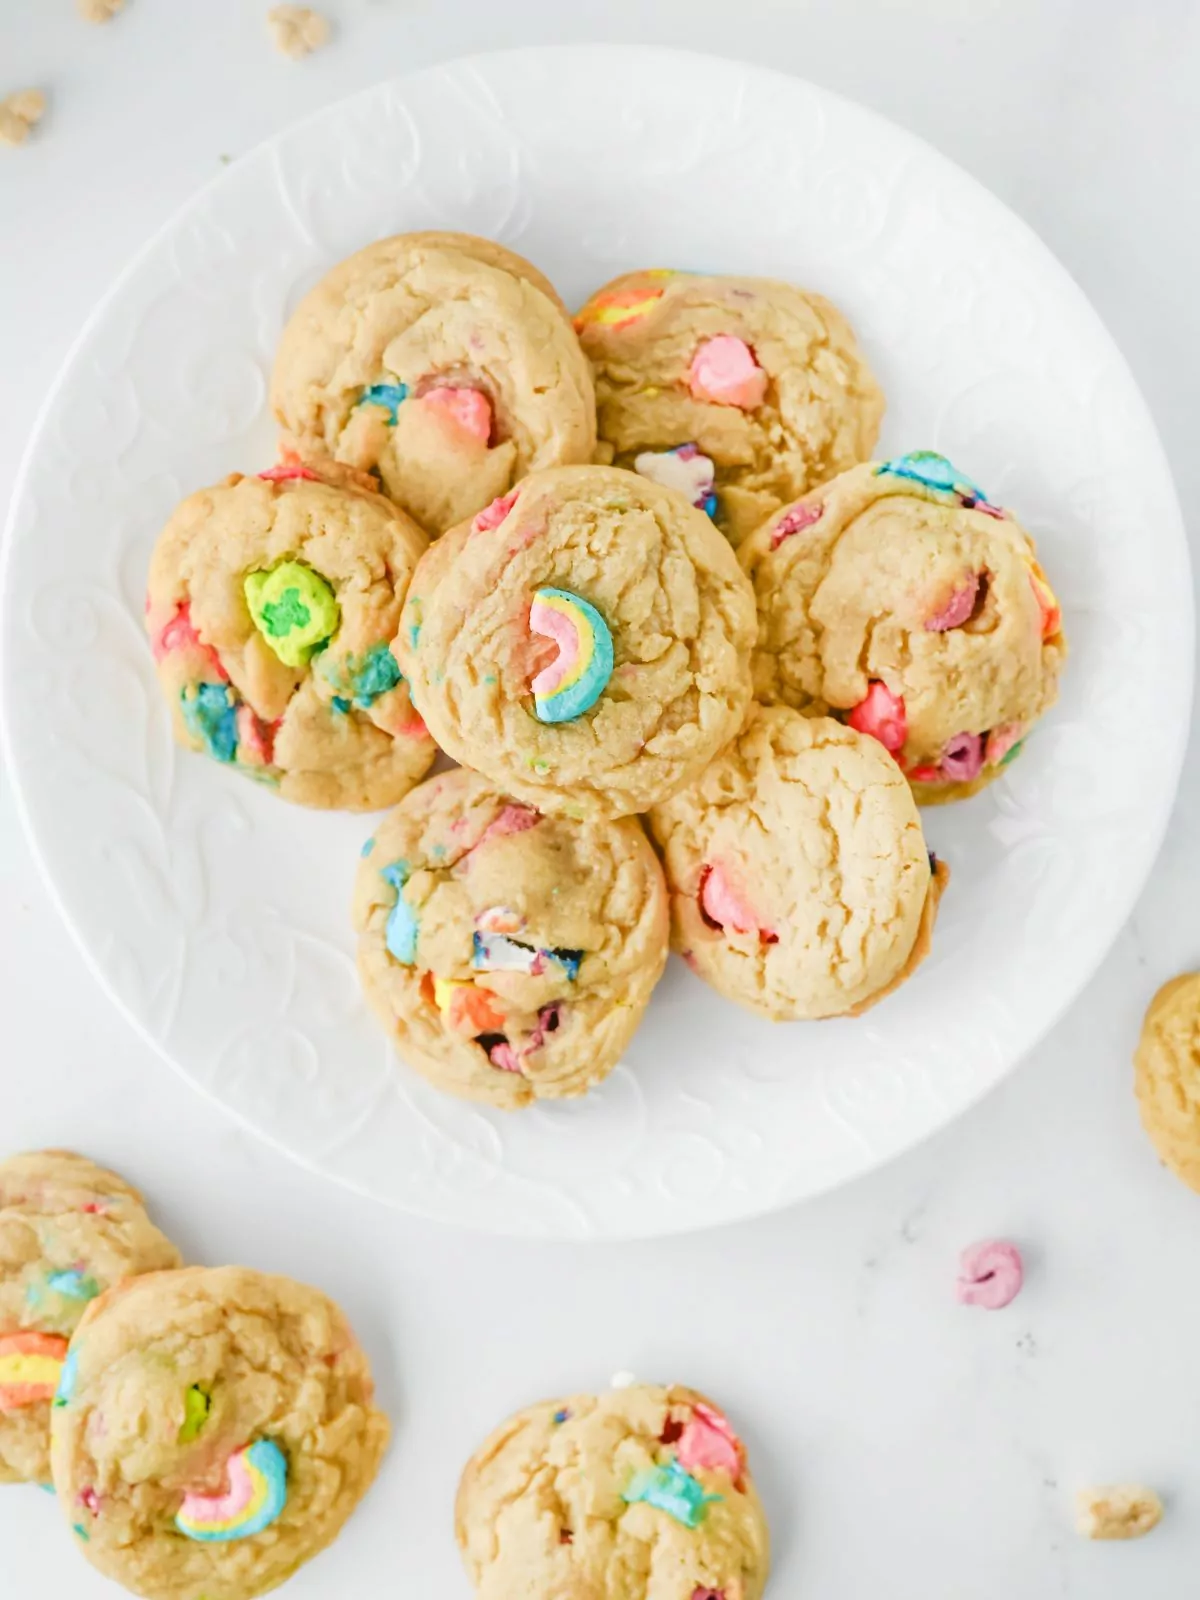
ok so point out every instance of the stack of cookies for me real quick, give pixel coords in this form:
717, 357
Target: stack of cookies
639, 577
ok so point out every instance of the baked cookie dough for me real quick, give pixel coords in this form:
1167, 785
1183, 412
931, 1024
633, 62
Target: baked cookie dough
898, 597
511, 955
213, 1431
584, 641
640, 1494
444, 363
271, 608
740, 392
68, 1230
1167, 1063
800, 883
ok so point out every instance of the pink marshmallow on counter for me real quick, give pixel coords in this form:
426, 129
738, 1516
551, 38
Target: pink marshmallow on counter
724, 370
990, 1275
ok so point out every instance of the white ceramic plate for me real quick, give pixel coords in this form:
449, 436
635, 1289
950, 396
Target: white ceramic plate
216, 915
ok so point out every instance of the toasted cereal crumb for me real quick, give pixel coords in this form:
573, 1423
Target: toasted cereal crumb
1122, 1511
98, 10
297, 30
19, 113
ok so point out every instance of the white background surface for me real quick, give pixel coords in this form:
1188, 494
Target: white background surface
905, 1447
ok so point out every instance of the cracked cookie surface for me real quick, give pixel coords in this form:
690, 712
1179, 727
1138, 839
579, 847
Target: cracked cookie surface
640, 1494
765, 380
271, 606
445, 364
799, 879
68, 1231
898, 597
177, 1378
626, 559
510, 955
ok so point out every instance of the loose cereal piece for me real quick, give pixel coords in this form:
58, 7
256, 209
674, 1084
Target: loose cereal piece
98, 10
297, 30
1121, 1511
19, 113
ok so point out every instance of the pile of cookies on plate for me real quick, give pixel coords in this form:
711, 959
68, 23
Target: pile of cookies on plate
208, 1430
698, 656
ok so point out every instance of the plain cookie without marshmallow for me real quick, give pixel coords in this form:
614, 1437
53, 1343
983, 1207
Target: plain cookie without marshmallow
444, 363
1167, 1076
271, 606
584, 641
510, 955
640, 1494
68, 1231
898, 597
799, 878
740, 392
213, 1431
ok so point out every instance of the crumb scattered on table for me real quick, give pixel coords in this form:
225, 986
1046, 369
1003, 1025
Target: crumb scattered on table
1122, 1511
98, 10
19, 113
297, 30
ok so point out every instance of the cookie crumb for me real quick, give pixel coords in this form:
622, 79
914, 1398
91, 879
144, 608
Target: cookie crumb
1123, 1511
19, 113
297, 30
98, 10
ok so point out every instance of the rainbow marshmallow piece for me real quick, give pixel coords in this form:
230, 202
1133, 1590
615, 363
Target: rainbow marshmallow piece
576, 679
256, 1495
30, 1367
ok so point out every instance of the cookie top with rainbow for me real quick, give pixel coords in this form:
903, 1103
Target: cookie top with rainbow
68, 1231
583, 641
271, 607
251, 1407
645, 1477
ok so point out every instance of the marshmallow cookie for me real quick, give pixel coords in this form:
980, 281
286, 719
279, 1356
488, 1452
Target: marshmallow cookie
1167, 1065
443, 363
899, 597
68, 1230
799, 878
584, 641
640, 1494
511, 955
271, 607
213, 1430
739, 392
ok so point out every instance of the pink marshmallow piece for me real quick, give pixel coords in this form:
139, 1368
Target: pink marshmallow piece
795, 521
962, 759
465, 408
492, 516
724, 370
708, 1441
990, 1275
957, 609
722, 904
881, 714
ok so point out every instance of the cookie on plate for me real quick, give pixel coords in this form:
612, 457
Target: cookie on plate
640, 1494
511, 955
799, 879
584, 641
1167, 1063
899, 597
213, 1430
68, 1230
271, 607
444, 363
739, 392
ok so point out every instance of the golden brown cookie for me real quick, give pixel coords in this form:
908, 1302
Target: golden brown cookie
640, 1494
799, 879
898, 597
214, 1429
444, 363
1167, 1063
68, 1231
510, 954
739, 392
585, 642
271, 606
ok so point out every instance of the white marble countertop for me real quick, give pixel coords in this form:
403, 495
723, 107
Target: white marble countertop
905, 1447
